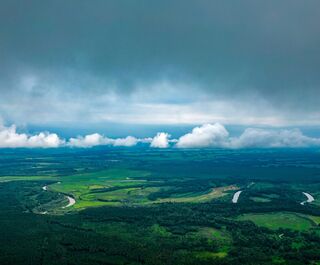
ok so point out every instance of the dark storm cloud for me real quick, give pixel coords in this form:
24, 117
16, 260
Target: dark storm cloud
223, 49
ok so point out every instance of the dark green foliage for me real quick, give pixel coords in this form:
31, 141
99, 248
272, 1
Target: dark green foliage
166, 233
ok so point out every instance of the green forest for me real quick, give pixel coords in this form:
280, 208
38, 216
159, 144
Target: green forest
143, 206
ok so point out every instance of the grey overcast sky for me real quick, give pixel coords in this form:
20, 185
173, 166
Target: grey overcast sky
160, 62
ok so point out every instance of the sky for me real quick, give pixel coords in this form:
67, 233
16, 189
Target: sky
121, 67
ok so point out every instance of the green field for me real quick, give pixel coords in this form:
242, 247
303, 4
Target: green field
275, 221
28, 178
193, 198
120, 186
315, 219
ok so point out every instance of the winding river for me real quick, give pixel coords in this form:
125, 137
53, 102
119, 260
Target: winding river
236, 196
309, 198
71, 200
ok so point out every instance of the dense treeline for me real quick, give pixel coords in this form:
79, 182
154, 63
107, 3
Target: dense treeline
160, 234
281, 165
171, 233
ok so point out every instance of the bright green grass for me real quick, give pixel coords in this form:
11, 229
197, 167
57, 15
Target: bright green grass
27, 178
83, 183
130, 186
126, 195
139, 196
83, 186
116, 187
315, 219
275, 221
205, 255
213, 194
81, 204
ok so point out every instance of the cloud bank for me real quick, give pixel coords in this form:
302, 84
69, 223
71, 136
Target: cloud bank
98, 139
253, 137
216, 135
10, 138
205, 136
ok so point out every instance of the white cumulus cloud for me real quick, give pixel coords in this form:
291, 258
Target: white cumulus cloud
255, 137
161, 140
216, 135
10, 138
89, 140
96, 139
128, 141
205, 136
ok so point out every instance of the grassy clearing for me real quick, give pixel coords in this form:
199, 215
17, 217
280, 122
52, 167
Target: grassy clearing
315, 219
82, 204
205, 255
213, 194
116, 187
137, 195
88, 188
81, 183
27, 178
275, 221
